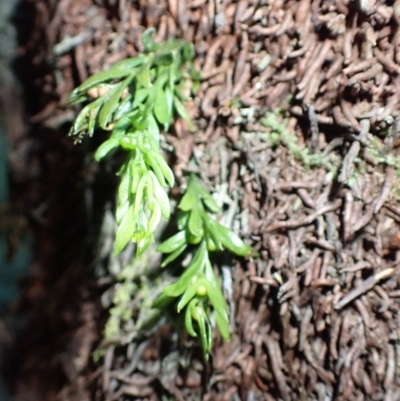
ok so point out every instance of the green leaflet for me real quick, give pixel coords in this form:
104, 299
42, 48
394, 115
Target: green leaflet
80, 122
173, 243
113, 97
174, 255
183, 218
189, 319
161, 107
105, 148
141, 95
204, 328
142, 245
188, 294
188, 200
135, 175
155, 217
179, 288
212, 233
121, 211
215, 294
124, 188
143, 77
182, 111
120, 128
123, 108
140, 120
223, 326
92, 116
166, 170
195, 223
139, 199
96, 79
174, 290
229, 239
125, 231
129, 63
169, 93
153, 128
161, 197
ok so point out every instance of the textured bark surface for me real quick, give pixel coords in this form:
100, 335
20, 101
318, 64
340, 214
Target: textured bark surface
316, 316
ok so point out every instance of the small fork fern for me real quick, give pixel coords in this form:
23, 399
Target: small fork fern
133, 99
198, 286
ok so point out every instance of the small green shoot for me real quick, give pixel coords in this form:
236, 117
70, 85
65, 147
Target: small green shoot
198, 290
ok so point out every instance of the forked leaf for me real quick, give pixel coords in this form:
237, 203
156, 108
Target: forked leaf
214, 292
155, 216
200, 258
124, 107
166, 170
80, 122
162, 301
212, 232
135, 173
139, 199
174, 255
139, 120
189, 293
189, 319
105, 148
152, 128
173, 243
142, 246
205, 196
121, 211
170, 103
230, 240
152, 162
141, 95
188, 200
189, 276
195, 223
99, 78
205, 330
111, 102
125, 231
129, 63
223, 327
183, 218
182, 111
124, 188
209, 202
120, 127
76, 99
92, 118
161, 197
179, 288
161, 107
217, 300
